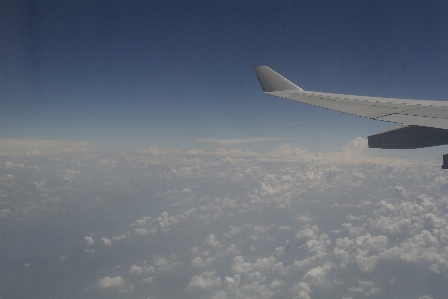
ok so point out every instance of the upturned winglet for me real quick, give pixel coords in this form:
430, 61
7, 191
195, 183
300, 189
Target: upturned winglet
272, 81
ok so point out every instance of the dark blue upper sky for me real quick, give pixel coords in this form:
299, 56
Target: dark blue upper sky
158, 72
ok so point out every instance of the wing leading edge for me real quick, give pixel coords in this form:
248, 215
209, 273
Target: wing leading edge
422, 123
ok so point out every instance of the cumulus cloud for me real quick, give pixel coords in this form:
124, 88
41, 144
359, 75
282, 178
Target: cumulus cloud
212, 242
166, 264
301, 290
356, 146
206, 280
114, 283
199, 262
366, 288
136, 270
318, 276
308, 233
239, 266
89, 240
220, 295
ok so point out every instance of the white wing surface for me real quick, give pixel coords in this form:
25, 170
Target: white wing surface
432, 114
422, 123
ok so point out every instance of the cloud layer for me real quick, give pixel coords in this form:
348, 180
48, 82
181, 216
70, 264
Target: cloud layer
225, 224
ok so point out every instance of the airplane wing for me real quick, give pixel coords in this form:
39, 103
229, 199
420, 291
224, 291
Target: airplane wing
422, 123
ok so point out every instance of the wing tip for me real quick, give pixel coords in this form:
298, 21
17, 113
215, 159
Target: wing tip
271, 81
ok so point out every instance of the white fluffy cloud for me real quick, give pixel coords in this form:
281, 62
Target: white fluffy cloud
319, 276
136, 270
89, 240
206, 280
301, 290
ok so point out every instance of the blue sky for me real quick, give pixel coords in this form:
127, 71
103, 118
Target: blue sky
158, 72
